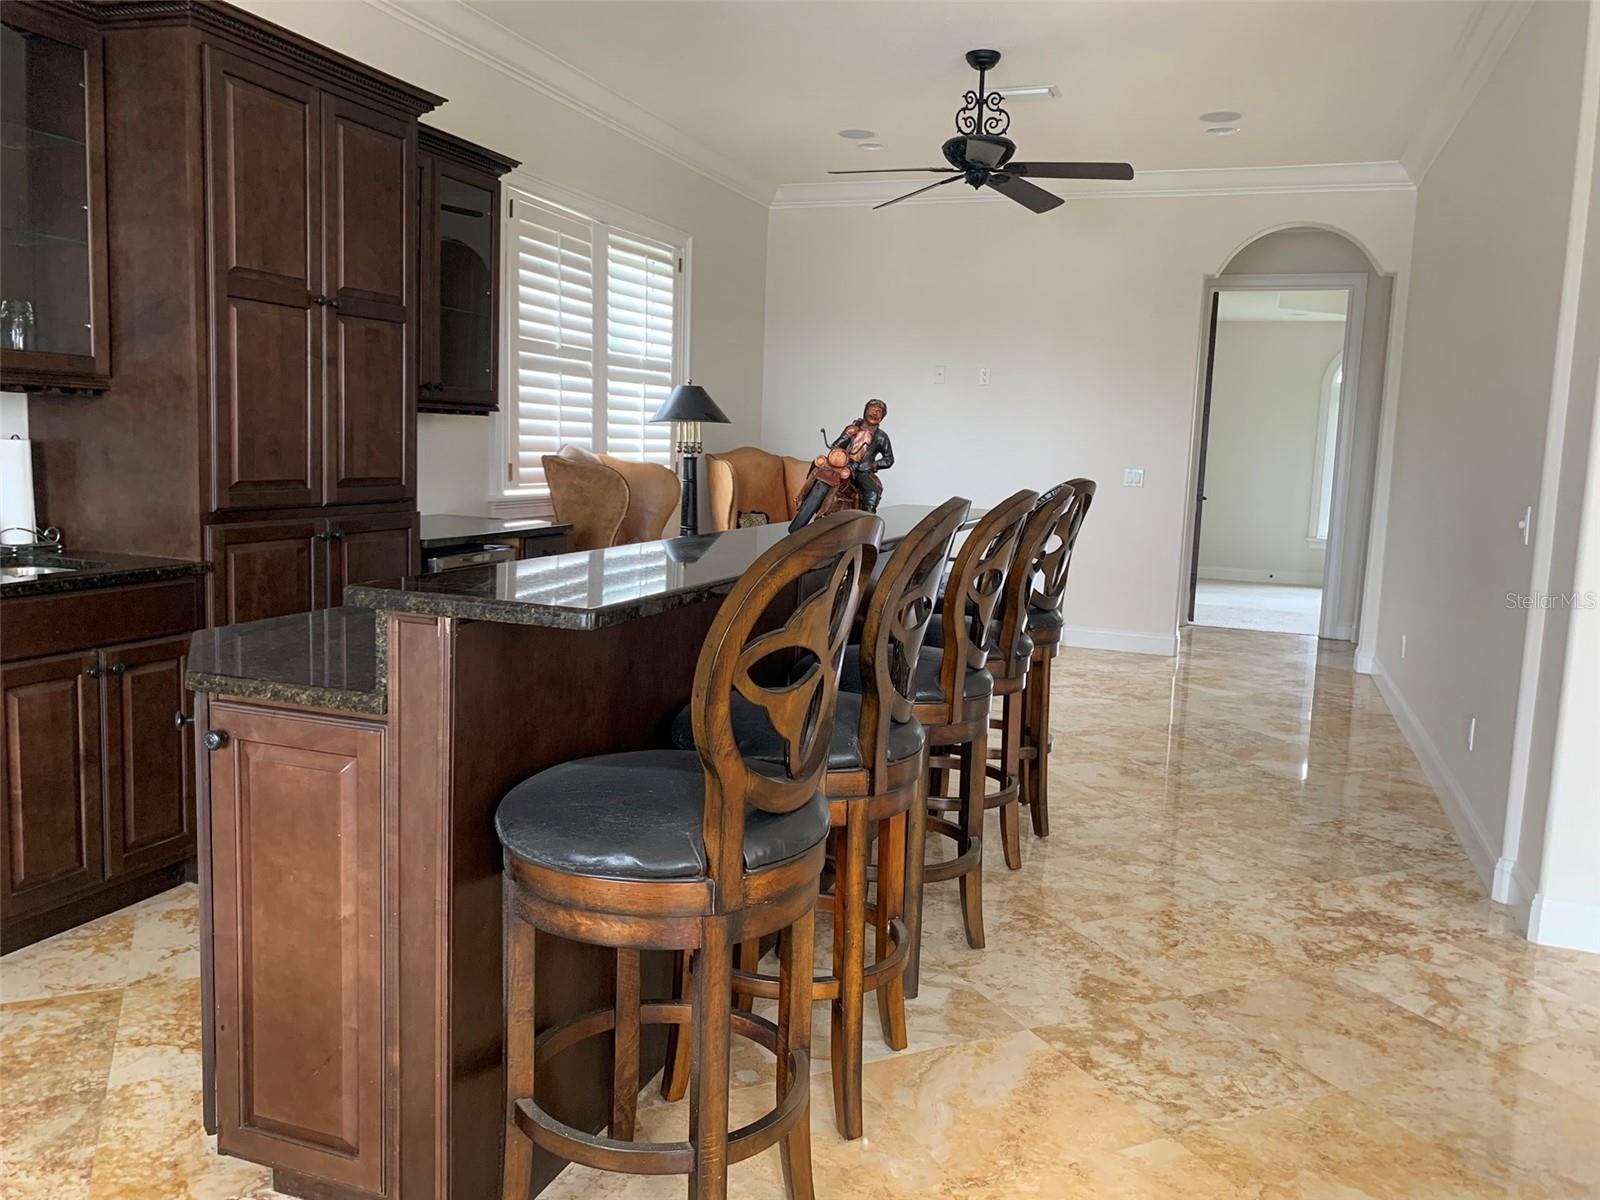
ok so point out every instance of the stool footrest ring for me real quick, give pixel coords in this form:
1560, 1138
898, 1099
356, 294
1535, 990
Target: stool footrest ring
826, 987
952, 868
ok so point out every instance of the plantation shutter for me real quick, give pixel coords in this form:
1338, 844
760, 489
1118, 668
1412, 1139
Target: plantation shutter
641, 278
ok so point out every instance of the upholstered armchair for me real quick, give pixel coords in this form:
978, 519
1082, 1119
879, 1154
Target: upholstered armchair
750, 480
609, 501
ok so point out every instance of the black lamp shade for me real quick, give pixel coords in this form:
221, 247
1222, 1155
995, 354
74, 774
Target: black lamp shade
690, 402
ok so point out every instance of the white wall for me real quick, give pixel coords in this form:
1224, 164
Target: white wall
1266, 405
1090, 318
13, 414
1480, 342
563, 147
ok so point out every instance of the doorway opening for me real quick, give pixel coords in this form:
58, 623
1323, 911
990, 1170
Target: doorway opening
1280, 355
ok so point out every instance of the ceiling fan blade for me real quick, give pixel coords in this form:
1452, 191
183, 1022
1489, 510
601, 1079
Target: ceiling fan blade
937, 183
1071, 170
898, 171
1024, 193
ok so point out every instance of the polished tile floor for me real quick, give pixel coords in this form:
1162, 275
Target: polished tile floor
1251, 961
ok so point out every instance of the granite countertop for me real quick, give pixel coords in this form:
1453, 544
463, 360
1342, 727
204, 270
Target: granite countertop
90, 569
596, 589
331, 658
447, 529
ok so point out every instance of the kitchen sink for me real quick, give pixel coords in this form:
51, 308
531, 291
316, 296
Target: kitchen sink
32, 572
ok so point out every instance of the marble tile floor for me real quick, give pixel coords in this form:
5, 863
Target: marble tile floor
1251, 961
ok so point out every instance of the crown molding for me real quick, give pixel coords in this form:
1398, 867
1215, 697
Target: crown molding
491, 43
1325, 177
1483, 42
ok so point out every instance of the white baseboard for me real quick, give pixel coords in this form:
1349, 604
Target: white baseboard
1366, 661
1484, 853
1553, 922
1089, 638
1344, 633
1252, 575
1511, 888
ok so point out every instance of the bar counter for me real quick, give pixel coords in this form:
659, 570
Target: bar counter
349, 869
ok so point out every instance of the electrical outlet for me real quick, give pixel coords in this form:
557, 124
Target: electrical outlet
1402, 645
983, 376
1472, 732
938, 374
1133, 477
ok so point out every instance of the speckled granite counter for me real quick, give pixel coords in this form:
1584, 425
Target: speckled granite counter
332, 658
90, 569
598, 589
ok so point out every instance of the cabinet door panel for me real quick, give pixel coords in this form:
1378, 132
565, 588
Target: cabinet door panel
149, 763
371, 454
51, 832
270, 569
264, 184
297, 834
364, 549
370, 202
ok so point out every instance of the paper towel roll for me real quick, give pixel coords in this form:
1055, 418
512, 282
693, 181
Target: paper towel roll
16, 491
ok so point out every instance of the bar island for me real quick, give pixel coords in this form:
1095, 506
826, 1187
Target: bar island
350, 763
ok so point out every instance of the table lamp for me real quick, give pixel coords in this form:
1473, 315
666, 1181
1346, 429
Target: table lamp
690, 406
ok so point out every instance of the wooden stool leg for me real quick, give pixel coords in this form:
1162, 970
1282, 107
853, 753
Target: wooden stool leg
625, 1047
517, 1166
708, 1082
916, 847
1039, 694
794, 1033
891, 896
747, 957
675, 1075
1010, 759
849, 948
974, 755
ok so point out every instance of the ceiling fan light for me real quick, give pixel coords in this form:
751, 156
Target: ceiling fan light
1222, 116
1222, 130
856, 135
869, 146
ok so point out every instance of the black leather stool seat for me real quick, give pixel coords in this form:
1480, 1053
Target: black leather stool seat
638, 816
1045, 619
935, 638
930, 662
756, 738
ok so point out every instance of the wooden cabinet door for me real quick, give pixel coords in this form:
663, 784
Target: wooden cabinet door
264, 194
266, 569
149, 756
369, 185
298, 902
50, 834
458, 322
362, 549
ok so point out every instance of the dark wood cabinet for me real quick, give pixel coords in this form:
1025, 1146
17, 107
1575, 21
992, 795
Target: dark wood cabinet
458, 327
363, 549
263, 569
297, 831
54, 327
149, 755
51, 831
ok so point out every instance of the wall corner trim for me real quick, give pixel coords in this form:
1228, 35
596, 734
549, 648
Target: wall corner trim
1562, 923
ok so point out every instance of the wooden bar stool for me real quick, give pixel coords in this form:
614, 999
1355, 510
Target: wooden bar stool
1045, 622
951, 694
696, 851
877, 777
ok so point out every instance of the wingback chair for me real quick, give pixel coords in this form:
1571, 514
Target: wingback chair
750, 480
609, 501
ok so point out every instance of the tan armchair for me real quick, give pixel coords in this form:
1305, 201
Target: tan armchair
749, 479
609, 501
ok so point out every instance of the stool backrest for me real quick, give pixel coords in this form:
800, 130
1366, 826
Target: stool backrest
804, 651
1055, 559
1037, 533
898, 613
973, 591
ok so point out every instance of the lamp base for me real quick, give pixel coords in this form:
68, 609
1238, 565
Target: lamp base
690, 522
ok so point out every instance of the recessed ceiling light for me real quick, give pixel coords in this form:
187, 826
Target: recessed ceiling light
1220, 117
856, 135
1030, 91
870, 146
1223, 130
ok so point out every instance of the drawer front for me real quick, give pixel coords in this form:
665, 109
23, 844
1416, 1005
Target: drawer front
40, 625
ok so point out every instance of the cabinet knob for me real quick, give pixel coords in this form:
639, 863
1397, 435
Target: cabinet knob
181, 720
319, 301
93, 672
216, 739
323, 536
117, 668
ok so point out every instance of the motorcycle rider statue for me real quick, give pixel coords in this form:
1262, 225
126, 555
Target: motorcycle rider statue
851, 465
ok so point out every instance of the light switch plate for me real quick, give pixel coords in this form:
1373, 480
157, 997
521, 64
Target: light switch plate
1133, 477
983, 376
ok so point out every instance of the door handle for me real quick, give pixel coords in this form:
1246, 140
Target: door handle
216, 739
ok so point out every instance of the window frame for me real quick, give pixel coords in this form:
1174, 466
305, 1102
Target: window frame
504, 498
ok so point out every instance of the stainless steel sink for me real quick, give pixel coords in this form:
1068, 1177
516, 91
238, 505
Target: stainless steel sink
32, 572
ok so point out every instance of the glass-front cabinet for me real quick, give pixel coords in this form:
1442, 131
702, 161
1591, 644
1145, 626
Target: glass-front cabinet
458, 230
54, 329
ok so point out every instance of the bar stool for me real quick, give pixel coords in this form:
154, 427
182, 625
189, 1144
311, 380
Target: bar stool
952, 690
684, 850
1045, 623
877, 777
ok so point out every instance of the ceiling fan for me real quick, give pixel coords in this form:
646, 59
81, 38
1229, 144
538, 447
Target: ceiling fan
981, 155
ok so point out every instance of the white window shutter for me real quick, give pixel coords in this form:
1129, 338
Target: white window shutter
641, 311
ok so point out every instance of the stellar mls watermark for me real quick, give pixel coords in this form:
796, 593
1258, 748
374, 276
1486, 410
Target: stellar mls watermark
1553, 600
